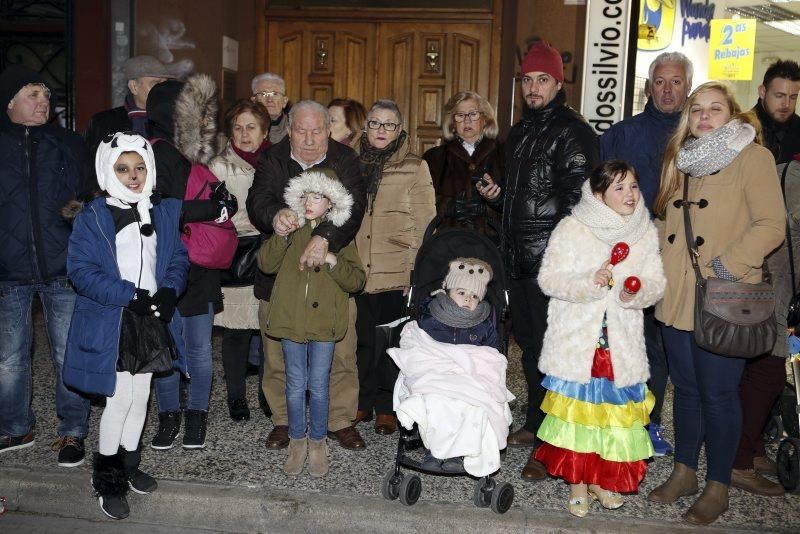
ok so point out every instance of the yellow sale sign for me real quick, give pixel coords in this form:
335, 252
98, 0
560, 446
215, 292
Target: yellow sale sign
731, 49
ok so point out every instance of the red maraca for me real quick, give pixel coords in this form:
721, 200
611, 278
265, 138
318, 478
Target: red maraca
632, 285
618, 253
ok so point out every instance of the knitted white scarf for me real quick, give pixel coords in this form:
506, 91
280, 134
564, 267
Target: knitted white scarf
608, 225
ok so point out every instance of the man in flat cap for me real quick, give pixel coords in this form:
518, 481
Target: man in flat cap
142, 73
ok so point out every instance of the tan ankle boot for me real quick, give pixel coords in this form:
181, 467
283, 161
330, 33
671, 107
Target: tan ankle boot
298, 449
711, 504
682, 482
318, 457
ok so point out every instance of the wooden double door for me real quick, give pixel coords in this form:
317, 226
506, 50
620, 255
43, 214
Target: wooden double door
420, 65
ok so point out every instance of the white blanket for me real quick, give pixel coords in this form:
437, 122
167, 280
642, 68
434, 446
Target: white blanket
457, 396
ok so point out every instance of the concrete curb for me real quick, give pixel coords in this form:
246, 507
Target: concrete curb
244, 509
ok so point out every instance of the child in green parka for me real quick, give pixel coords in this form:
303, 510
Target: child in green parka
308, 310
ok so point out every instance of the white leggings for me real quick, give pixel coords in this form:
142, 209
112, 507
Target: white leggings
123, 419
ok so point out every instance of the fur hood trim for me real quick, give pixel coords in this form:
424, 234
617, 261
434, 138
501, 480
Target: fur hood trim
71, 209
325, 183
196, 119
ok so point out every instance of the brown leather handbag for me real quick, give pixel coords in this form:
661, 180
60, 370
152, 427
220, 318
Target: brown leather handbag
730, 318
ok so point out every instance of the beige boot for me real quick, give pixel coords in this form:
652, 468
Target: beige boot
318, 457
682, 482
711, 504
298, 448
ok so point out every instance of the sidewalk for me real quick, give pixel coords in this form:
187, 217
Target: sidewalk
235, 484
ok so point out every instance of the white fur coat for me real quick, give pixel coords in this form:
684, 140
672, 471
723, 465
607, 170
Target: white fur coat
577, 305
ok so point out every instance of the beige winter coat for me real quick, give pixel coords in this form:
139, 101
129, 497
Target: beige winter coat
392, 232
742, 223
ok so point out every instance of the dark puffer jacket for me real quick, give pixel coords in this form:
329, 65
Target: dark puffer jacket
483, 334
549, 154
43, 168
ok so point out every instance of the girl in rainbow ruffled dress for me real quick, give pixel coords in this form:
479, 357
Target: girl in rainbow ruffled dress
602, 267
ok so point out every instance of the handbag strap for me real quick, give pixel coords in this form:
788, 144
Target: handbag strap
687, 226
789, 246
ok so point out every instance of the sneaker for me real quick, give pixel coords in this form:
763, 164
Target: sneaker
453, 465
195, 435
430, 462
661, 447
71, 452
10, 443
169, 426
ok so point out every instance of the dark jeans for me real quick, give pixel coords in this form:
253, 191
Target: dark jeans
528, 324
377, 373
16, 335
762, 382
657, 358
235, 359
707, 406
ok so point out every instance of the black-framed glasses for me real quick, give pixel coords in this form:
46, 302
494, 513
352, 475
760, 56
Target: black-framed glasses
473, 116
268, 94
388, 126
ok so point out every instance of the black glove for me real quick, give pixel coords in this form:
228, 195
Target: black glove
163, 303
224, 199
140, 303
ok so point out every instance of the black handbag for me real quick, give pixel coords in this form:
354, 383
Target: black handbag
242, 271
730, 318
793, 313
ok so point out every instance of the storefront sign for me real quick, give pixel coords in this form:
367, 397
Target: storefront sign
605, 62
731, 49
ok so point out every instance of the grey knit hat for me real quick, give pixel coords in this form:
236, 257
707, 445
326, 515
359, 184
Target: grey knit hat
141, 66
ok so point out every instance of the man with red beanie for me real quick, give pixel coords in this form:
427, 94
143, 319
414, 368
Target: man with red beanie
550, 153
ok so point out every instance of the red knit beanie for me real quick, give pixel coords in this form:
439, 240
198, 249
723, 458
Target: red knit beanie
543, 58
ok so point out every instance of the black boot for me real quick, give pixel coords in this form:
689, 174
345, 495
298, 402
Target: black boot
169, 425
110, 485
140, 482
195, 435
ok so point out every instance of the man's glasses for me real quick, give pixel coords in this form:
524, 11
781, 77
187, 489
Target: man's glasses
314, 198
263, 95
388, 126
473, 116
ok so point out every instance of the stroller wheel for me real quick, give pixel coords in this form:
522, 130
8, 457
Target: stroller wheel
410, 490
502, 498
482, 495
390, 489
773, 429
788, 461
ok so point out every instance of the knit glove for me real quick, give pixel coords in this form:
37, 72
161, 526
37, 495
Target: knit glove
163, 303
720, 271
141, 302
228, 205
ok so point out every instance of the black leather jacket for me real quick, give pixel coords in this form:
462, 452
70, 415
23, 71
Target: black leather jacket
549, 154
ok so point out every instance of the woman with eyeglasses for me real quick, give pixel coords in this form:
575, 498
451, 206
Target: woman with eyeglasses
468, 164
400, 204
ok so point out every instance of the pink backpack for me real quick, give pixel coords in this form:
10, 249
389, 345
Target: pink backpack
210, 244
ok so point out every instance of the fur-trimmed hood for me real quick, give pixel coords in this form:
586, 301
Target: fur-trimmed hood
185, 113
324, 182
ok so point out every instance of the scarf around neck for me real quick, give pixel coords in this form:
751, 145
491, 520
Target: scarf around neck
251, 157
714, 151
375, 159
606, 224
446, 311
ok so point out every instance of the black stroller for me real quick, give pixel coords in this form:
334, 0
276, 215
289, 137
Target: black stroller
788, 460
430, 268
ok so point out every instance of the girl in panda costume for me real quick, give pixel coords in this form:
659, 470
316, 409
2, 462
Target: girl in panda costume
128, 266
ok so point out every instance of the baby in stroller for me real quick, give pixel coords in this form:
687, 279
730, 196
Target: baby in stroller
452, 377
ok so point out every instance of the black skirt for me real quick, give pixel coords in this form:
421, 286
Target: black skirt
145, 344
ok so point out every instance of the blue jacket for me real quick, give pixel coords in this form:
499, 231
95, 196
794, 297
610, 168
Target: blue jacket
641, 141
483, 334
42, 169
90, 362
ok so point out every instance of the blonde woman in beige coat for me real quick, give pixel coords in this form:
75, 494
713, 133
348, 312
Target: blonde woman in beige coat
736, 211
400, 204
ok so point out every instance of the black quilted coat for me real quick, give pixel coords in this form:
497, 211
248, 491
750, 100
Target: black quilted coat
549, 154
